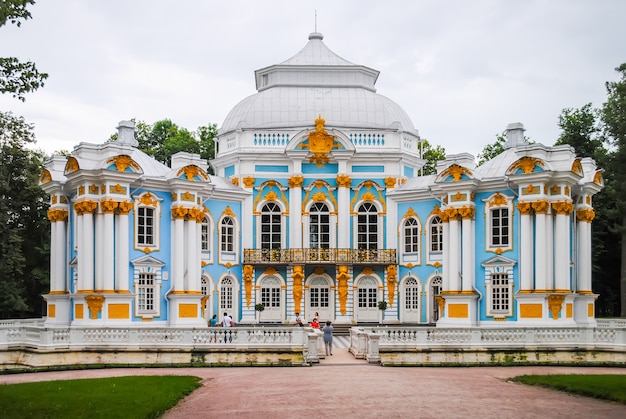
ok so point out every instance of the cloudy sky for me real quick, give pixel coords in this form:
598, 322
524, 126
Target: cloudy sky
461, 69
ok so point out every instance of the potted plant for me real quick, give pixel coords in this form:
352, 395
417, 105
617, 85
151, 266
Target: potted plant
382, 306
259, 308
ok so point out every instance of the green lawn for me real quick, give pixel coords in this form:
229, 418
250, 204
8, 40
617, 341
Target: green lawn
607, 387
117, 397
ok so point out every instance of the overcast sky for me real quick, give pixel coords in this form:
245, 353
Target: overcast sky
461, 69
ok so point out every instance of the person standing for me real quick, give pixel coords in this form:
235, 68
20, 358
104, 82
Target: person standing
213, 321
299, 319
328, 338
226, 320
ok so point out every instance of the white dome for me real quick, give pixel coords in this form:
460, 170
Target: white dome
314, 82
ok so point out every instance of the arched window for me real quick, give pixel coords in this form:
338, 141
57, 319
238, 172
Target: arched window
435, 237
271, 220
205, 235
411, 236
412, 294
367, 227
367, 293
227, 235
270, 292
226, 295
319, 227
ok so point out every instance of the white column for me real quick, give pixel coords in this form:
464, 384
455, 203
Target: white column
80, 280
198, 253
343, 212
584, 268
178, 254
86, 254
541, 251
561, 252
122, 258
391, 227
99, 252
108, 262
60, 255
295, 212
455, 252
191, 246
550, 251
54, 281
468, 252
445, 269
526, 247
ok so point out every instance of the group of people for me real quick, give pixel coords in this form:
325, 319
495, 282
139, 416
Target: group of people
327, 329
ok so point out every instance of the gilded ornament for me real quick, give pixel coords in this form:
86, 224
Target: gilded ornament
296, 181
125, 207
585, 214
85, 207
524, 208
103, 189
191, 172
187, 196
147, 199
63, 199
228, 212
71, 166
368, 197
555, 303
81, 190
566, 191
108, 206
122, 162
459, 197
45, 177
270, 270
456, 172
467, 213
563, 207
53, 199
248, 274
598, 179
392, 280
555, 190
319, 197
174, 196
319, 271
452, 213
577, 167
248, 181
498, 201
390, 182
320, 143
526, 164
342, 287
94, 302
409, 213
343, 181
541, 207
55, 215
297, 275
530, 190
117, 189
271, 196
179, 212
235, 181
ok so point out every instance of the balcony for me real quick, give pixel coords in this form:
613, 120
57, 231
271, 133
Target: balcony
319, 256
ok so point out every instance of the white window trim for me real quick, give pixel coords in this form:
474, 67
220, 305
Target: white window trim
283, 223
223, 256
156, 245
332, 219
433, 257
207, 255
403, 288
415, 258
489, 206
235, 309
150, 265
380, 225
499, 265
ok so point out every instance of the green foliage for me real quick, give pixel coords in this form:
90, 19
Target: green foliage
432, 155
492, 150
580, 129
259, 307
382, 305
117, 397
14, 10
24, 226
607, 387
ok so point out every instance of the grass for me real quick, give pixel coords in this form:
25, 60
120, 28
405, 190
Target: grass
606, 387
116, 397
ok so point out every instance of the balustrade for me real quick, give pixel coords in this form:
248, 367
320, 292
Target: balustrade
311, 255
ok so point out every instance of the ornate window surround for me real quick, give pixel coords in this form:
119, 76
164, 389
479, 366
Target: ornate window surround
148, 265
499, 265
226, 256
148, 200
283, 221
379, 223
498, 201
332, 221
433, 257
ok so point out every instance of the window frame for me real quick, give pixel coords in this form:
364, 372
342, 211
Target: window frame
495, 222
147, 201
369, 235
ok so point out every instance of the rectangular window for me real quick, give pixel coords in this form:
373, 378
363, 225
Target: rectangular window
146, 293
499, 227
500, 298
145, 226
412, 299
270, 297
204, 232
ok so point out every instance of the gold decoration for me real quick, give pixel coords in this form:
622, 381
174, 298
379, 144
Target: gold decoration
174, 196
577, 167
390, 182
53, 199
122, 162
94, 302
343, 181
342, 287
81, 190
452, 213
319, 197
146, 250
585, 214
541, 207
229, 212
368, 197
195, 214
297, 275
124, 207
498, 201
437, 265
556, 190
467, 213
248, 275
147, 199
63, 199
103, 189
563, 207
598, 179
526, 164
566, 192
71, 166
191, 172
555, 302
117, 189
45, 177
235, 181
108, 206
459, 197
441, 303
85, 207
271, 196
57, 215
524, 208
456, 172
392, 280
319, 271
248, 181
367, 271
187, 196
179, 212
409, 213
270, 270
320, 143
295, 181
530, 190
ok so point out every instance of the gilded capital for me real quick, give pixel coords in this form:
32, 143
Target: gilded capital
179, 212
343, 181
541, 207
295, 181
248, 182
467, 213
108, 206
585, 214
524, 208
85, 207
124, 207
563, 207
390, 182
57, 215
94, 302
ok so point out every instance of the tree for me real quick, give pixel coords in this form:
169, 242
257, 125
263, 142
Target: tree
582, 129
492, 150
432, 155
18, 78
614, 118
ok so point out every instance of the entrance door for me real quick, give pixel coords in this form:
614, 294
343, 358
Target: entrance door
271, 299
319, 300
367, 300
411, 310
435, 291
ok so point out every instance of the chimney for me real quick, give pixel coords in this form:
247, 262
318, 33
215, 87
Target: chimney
514, 135
126, 133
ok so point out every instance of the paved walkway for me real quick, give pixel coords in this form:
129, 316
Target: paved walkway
342, 387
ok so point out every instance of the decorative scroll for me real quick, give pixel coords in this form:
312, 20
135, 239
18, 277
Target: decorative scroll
248, 275
94, 302
297, 275
392, 280
342, 287
555, 302
524, 208
343, 181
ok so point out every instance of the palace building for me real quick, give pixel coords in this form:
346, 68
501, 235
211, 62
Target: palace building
318, 204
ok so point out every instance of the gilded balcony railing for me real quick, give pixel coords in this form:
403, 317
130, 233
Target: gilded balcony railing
330, 256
